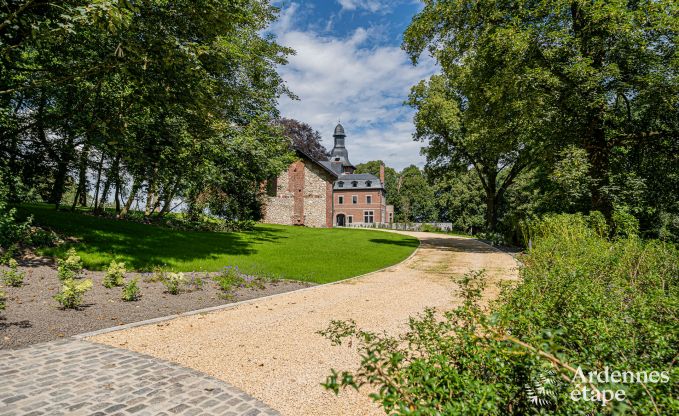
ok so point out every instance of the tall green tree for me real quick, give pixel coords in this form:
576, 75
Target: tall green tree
414, 197
390, 177
603, 73
156, 100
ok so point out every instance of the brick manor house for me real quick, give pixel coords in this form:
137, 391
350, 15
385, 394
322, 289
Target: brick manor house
320, 193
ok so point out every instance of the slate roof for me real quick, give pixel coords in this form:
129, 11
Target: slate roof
362, 180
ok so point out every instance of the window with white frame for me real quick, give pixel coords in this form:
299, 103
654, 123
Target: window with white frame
354, 199
369, 217
340, 199
350, 219
368, 199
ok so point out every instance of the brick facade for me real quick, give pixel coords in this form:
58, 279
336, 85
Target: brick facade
357, 211
321, 193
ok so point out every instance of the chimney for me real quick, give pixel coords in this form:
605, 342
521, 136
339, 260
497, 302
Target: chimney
382, 173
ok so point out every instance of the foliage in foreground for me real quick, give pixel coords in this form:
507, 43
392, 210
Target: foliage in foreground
231, 278
3, 298
173, 282
584, 301
131, 291
13, 277
115, 275
70, 267
72, 292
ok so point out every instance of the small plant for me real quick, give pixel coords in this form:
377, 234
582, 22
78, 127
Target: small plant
13, 277
228, 278
72, 291
71, 267
115, 275
231, 278
157, 274
173, 282
3, 298
195, 282
131, 291
6, 254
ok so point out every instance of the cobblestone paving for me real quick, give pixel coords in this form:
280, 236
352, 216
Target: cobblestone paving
74, 377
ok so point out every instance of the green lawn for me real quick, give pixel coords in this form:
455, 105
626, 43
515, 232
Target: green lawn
310, 254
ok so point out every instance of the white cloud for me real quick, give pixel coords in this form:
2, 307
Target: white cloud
344, 78
370, 5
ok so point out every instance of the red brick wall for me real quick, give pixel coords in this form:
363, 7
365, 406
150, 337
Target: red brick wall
348, 208
296, 186
328, 204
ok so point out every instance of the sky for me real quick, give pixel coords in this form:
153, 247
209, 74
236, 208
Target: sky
349, 67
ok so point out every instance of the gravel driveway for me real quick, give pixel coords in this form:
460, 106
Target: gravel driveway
269, 347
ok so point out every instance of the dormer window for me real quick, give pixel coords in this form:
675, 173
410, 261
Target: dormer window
368, 183
340, 184
354, 184
337, 159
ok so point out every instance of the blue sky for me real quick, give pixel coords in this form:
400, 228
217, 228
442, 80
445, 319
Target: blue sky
349, 66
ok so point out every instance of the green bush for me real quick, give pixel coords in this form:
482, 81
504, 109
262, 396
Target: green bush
173, 282
131, 291
13, 277
584, 302
428, 228
12, 231
3, 299
43, 238
71, 267
231, 278
72, 292
115, 275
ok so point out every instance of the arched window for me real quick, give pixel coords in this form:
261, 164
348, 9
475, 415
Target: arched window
340, 184
368, 184
354, 184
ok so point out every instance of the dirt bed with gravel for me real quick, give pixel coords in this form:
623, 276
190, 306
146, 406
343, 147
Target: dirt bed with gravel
32, 315
270, 347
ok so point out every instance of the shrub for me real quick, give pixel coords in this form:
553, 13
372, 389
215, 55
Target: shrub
131, 291
3, 299
173, 282
584, 301
12, 230
115, 275
195, 282
429, 228
231, 278
6, 254
71, 267
43, 238
72, 292
13, 277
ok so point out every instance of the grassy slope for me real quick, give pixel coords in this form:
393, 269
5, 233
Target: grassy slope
317, 255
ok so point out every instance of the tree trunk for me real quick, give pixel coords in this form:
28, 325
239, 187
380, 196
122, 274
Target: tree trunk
96, 193
151, 195
130, 199
111, 176
80, 194
599, 158
168, 198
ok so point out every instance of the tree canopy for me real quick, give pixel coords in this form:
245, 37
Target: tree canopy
119, 97
522, 82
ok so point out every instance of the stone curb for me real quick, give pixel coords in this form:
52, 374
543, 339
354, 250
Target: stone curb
232, 305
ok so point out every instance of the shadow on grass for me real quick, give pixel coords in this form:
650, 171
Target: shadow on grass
143, 246
404, 243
